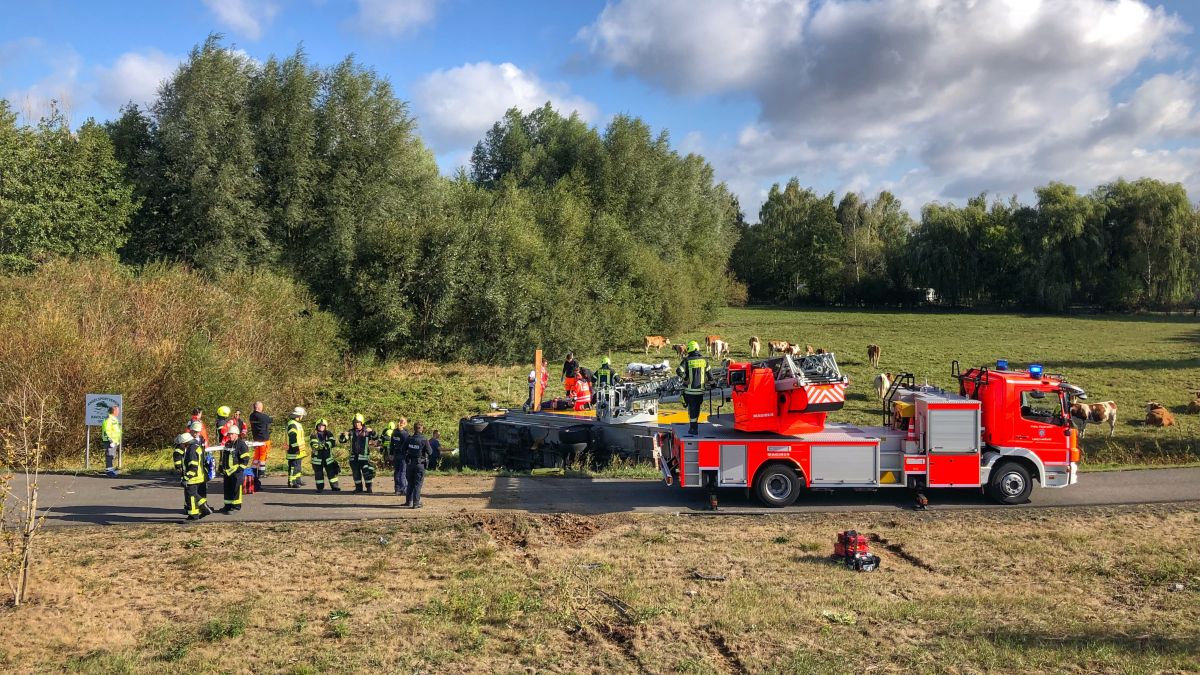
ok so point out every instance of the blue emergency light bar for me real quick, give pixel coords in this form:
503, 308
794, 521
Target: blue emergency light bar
1035, 370
1001, 364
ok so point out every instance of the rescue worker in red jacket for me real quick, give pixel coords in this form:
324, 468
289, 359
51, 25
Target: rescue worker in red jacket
235, 461
198, 418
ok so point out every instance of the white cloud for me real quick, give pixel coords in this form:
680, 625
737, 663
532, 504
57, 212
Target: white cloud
392, 18
943, 98
247, 18
455, 107
134, 76
57, 88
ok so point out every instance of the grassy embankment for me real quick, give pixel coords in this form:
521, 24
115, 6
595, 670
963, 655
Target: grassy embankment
1128, 359
1005, 591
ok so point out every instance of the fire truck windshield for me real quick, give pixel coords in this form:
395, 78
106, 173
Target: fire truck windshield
1042, 406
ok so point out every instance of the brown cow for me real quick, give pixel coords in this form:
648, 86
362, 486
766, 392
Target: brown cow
819, 350
1194, 406
656, 341
1158, 416
873, 355
777, 346
755, 345
1095, 413
708, 340
792, 350
680, 349
883, 382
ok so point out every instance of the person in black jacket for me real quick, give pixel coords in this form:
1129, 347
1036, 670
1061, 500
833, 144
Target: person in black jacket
235, 460
416, 456
324, 465
260, 432
397, 450
359, 438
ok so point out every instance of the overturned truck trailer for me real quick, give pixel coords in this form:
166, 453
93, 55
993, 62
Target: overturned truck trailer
625, 424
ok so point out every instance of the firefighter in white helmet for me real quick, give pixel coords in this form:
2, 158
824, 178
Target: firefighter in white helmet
296, 450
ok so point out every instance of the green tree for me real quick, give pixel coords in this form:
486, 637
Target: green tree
210, 170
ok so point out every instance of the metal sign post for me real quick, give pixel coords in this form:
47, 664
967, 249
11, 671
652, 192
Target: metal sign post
536, 404
95, 411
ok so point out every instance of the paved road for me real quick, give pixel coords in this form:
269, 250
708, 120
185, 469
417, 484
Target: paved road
89, 499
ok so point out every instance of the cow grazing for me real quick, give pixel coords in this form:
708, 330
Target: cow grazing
680, 349
777, 347
1158, 416
708, 340
873, 355
656, 341
792, 350
1095, 413
719, 348
883, 382
754, 346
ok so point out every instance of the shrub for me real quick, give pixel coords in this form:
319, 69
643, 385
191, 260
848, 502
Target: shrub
165, 337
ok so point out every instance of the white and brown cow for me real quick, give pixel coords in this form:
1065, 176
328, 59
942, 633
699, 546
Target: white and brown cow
883, 382
755, 346
777, 347
1095, 413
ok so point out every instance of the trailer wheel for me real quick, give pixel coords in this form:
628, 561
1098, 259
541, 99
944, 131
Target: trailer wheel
777, 486
1010, 483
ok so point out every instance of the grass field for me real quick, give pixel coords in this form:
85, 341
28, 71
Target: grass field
1128, 359
1031, 590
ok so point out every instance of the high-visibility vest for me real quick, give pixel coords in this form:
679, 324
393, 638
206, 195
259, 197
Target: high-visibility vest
604, 375
110, 431
193, 473
583, 394
695, 368
296, 448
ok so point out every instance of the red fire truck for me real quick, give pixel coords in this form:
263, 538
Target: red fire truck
1003, 431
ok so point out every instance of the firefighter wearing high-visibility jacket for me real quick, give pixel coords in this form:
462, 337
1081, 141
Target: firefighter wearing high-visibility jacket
323, 463
235, 461
605, 375
195, 481
359, 438
296, 450
693, 369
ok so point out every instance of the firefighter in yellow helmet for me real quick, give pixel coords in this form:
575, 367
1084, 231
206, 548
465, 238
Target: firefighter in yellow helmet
694, 372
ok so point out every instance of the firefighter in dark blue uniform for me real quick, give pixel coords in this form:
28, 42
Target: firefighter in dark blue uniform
693, 369
324, 465
235, 461
360, 454
416, 458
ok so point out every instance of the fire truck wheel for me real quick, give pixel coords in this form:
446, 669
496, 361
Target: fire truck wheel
777, 485
1010, 483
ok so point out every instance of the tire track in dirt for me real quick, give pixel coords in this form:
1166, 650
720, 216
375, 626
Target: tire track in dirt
898, 549
732, 660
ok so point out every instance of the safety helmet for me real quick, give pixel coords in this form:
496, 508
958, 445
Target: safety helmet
322, 423
693, 346
196, 426
532, 376
233, 429
299, 411
391, 425
359, 418
224, 411
183, 439
607, 361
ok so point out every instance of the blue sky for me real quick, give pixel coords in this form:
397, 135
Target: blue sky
932, 99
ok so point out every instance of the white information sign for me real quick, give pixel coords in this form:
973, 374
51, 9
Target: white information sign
95, 408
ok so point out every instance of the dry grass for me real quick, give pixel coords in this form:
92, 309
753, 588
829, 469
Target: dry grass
1012, 591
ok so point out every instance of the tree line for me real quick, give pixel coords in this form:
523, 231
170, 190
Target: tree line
1126, 245
559, 234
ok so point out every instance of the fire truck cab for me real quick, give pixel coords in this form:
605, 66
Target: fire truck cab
1003, 431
